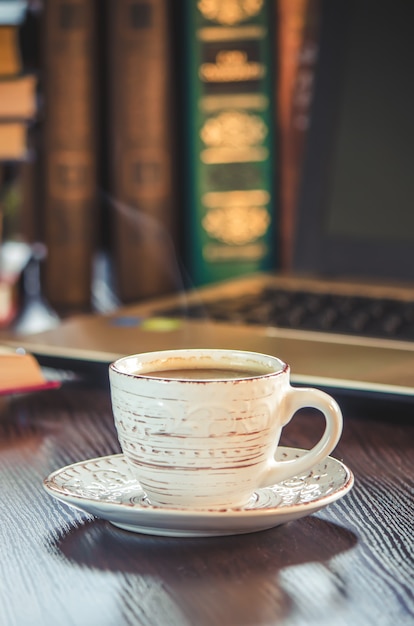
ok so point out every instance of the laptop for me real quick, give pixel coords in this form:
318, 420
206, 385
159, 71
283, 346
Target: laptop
354, 240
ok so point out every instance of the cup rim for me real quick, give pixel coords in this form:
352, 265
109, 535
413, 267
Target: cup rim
116, 366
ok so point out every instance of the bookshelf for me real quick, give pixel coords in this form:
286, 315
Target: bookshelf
18, 113
157, 144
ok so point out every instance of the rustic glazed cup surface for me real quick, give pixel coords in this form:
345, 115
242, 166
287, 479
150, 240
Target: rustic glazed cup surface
200, 428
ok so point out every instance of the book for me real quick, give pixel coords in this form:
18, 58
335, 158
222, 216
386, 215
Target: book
69, 152
21, 373
290, 28
18, 97
20, 198
13, 141
29, 173
18, 116
298, 27
30, 180
10, 58
140, 148
230, 165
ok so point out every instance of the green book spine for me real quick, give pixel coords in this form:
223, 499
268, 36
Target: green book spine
230, 166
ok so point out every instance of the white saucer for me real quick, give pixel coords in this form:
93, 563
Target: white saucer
105, 488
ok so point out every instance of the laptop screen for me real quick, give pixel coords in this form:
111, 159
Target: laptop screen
356, 208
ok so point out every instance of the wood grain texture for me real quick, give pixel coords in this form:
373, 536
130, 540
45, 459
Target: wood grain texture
351, 563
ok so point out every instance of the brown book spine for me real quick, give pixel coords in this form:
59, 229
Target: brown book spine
10, 58
140, 147
291, 21
69, 151
297, 48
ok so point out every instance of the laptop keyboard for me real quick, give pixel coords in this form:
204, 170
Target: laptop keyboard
274, 306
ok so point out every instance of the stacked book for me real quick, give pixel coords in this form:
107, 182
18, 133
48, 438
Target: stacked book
17, 88
18, 109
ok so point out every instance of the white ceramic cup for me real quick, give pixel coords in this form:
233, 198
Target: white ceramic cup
211, 443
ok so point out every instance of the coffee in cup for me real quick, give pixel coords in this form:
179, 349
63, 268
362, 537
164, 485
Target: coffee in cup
199, 428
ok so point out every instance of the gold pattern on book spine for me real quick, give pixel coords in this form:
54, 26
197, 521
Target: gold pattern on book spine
231, 66
216, 253
229, 12
233, 137
237, 225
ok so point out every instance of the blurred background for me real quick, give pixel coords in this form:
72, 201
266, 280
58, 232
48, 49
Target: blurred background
151, 146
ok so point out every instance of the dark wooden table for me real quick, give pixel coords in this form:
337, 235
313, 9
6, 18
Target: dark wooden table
350, 564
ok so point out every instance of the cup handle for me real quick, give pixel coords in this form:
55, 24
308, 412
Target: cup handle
295, 399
